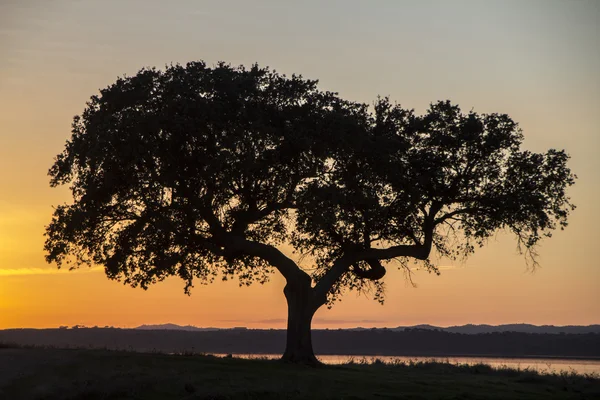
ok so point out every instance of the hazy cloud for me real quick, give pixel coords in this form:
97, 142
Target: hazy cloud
272, 321
439, 267
319, 321
260, 321
448, 267
45, 271
348, 321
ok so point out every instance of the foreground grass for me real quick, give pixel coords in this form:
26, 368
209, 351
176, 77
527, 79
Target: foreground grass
44, 373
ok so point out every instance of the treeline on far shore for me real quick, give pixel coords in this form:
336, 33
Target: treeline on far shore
410, 342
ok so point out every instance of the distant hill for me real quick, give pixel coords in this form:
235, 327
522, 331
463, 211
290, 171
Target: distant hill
470, 329
522, 328
407, 342
174, 327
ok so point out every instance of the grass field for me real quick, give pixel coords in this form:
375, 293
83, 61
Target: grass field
46, 373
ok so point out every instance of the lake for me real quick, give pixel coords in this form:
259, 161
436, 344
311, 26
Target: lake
542, 365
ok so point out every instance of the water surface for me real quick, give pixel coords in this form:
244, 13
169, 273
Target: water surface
542, 365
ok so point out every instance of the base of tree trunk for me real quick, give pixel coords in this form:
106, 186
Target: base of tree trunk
299, 349
304, 359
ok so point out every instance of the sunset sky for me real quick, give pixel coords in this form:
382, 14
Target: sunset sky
537, 61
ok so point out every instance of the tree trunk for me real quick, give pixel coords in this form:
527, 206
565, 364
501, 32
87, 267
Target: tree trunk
301, 308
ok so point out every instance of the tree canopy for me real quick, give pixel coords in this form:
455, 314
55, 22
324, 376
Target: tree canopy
445, 180
165, 165
202, 171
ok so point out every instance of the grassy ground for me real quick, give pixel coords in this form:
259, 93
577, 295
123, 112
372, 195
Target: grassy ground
42, 373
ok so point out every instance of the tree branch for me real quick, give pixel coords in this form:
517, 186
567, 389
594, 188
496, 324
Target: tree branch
449, 215
286, 266
420, 252
376, 272
340, 266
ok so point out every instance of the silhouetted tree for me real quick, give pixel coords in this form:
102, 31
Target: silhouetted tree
196, 172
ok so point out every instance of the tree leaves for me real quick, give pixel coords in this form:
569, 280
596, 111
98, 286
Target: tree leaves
192, 170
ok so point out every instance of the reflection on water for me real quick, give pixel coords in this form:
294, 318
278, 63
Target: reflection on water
542, 365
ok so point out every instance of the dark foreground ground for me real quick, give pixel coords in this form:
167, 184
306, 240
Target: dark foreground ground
45, 373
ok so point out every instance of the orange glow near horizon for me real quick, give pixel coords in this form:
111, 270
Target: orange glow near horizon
539, 67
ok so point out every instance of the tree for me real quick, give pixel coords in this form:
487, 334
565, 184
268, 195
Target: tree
199, 172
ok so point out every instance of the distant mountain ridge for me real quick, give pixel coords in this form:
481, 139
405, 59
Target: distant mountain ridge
407, 342
522, 328
175, 327
471, 329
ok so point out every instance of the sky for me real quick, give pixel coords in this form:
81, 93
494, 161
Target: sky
537, 61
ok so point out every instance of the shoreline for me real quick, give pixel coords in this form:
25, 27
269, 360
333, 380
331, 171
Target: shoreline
429, 356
